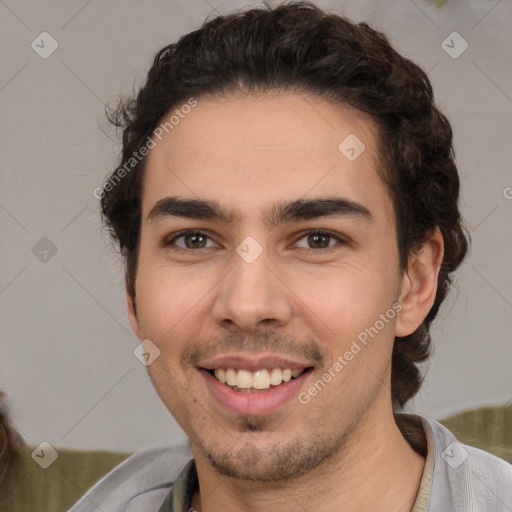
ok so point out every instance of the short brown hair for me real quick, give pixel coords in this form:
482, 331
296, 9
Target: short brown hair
299, 47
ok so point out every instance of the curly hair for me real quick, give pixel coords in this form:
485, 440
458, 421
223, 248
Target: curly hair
298, 47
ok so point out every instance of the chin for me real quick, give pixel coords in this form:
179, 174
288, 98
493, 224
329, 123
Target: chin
276, 462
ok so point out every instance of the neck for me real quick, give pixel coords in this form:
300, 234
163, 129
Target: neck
376, 469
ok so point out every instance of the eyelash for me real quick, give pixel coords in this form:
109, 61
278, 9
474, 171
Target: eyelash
180, 234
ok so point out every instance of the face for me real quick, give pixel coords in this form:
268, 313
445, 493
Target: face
296, 262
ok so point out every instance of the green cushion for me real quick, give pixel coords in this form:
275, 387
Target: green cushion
488, 428
30, 488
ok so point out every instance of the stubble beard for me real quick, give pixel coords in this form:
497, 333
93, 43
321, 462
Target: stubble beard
279, 462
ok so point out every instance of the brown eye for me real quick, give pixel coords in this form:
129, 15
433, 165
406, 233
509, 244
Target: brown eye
193, 240
319, 240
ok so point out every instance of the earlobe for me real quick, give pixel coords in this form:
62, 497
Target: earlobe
131, 307
419, 285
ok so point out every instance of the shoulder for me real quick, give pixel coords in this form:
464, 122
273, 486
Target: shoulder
467, 477
141, 482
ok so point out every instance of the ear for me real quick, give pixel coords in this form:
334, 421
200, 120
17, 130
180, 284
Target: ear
132, 311
419, 284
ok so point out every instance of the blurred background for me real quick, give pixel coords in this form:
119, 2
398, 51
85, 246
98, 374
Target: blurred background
67, 362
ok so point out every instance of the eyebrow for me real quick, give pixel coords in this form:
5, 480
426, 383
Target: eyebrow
299, 209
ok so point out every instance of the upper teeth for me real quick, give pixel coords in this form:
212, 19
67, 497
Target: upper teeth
260, 379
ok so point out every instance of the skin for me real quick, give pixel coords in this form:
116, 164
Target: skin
247, 153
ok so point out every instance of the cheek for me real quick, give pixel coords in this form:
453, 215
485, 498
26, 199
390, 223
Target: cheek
348, 297
352, 305
164, 297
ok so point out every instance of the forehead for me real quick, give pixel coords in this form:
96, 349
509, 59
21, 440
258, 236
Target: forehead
247, 151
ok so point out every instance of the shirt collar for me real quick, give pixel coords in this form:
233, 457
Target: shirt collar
184, 487
422, 502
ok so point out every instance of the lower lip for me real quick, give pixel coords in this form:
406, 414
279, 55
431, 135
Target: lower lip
258, 402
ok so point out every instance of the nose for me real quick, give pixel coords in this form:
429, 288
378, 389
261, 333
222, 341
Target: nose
251, 297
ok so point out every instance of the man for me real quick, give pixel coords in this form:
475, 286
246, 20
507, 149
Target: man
286, 204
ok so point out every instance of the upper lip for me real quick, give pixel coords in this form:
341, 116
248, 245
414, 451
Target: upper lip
240, 362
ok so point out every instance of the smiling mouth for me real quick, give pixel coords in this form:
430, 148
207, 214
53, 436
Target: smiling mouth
246, 381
